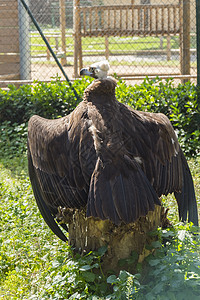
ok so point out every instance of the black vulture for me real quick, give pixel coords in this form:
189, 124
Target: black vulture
107, 157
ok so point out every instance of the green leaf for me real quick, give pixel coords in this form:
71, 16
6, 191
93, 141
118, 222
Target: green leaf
85, 268
102, 250
154, 262
123, 275
88, 276
111, 279
156, 244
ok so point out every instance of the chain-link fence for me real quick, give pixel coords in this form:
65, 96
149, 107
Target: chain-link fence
138, 37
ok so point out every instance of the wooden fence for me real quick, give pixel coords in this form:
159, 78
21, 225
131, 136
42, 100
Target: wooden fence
126, 20
9, 40
94, 21
133, 20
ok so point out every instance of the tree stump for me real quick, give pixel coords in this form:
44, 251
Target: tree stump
86, 234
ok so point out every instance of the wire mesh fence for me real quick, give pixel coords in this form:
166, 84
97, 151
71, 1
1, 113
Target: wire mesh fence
9, 40
138, 37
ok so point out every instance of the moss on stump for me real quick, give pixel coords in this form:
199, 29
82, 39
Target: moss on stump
86, 234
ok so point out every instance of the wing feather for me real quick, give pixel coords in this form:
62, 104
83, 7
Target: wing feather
125, 195
162, 159
113, 159
43, 207
53, 151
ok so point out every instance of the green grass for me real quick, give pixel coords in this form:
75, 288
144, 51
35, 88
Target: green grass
117, 45
27, 246
127, 44
34, 264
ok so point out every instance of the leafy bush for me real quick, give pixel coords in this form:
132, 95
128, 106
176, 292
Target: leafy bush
174, 268
49, 100
13, 139
56, 99
171, 272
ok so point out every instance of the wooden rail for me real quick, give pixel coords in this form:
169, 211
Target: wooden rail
129, 20
56, 37
133, 20
4, 84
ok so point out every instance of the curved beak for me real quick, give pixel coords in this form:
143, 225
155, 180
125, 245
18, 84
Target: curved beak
85, 71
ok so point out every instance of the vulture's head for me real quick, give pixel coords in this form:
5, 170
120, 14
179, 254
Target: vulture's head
97, 70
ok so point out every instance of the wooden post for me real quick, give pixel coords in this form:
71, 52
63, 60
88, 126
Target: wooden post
161, 42
198, 42
80, 56
168, 48
57, 43
106, 47
185, 59
181, 34
48, 52
62, 28
76, 22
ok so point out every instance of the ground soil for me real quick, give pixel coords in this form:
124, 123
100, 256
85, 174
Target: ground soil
48, 71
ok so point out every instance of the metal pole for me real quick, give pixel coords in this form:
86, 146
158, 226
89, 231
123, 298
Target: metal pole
76, 4
49, 47
198, 40
25, 61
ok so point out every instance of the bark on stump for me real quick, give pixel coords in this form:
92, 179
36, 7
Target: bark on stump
86, 234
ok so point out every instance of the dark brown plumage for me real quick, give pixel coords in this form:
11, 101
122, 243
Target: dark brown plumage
108, 157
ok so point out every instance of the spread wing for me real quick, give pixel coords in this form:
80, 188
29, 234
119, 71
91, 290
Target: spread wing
117, 163
57, 159
139, 160
155, 146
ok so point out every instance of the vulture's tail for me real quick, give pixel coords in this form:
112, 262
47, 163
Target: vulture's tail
186, 198
120, 195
